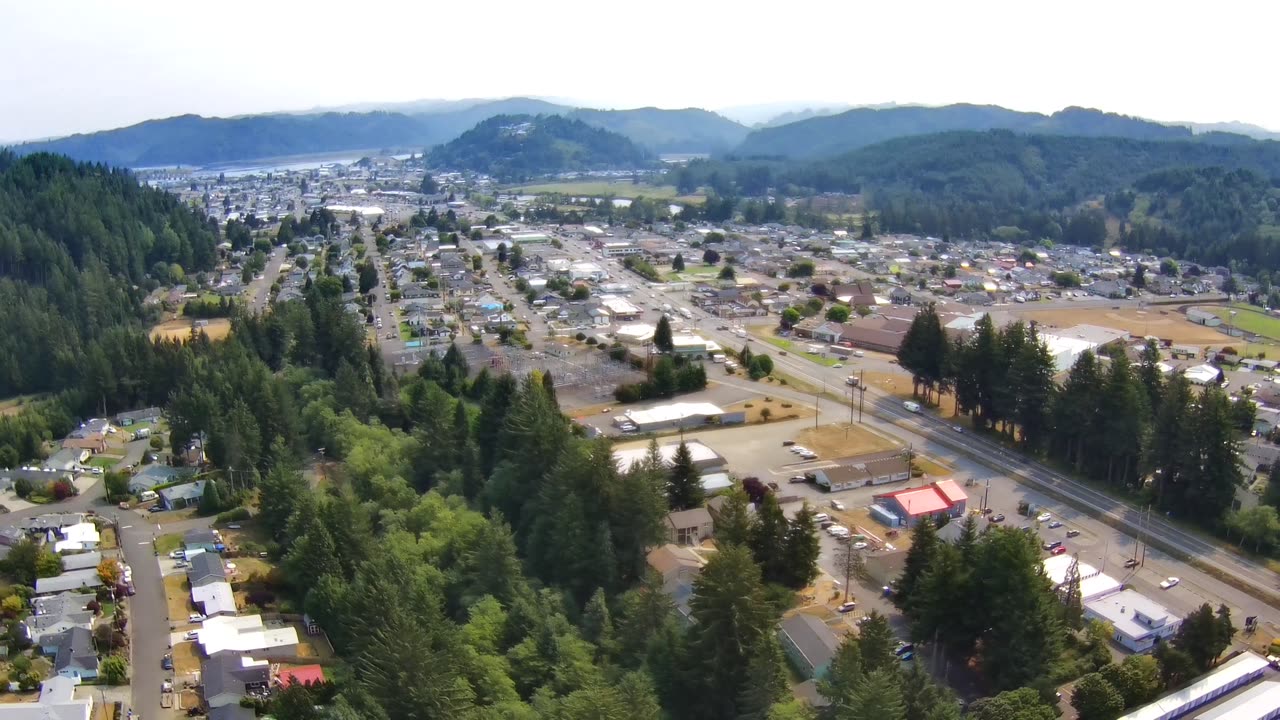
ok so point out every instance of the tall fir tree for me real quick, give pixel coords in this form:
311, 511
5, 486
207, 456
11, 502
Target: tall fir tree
684, 489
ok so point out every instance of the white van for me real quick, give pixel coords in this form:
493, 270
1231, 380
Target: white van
146, 495
911, 406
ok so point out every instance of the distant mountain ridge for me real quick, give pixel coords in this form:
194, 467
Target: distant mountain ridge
520, 147
830, 135
196, 140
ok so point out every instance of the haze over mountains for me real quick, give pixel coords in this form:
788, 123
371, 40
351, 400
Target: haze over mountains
790, 132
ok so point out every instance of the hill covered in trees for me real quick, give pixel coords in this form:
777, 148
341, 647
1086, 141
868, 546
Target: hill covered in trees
690, 130
518, 147
78, 244
828, 135
196, 140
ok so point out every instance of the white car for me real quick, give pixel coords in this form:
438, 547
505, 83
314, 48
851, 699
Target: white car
809, 455
838, 365
859, 546
836, 504
1043, 517
838, 531
799, 449
195, 618
1169, 582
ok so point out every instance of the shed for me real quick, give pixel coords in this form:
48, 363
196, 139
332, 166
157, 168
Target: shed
809, 643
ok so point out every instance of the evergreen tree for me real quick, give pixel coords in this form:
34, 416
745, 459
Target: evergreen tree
1150, 376
801, 550
769, 542
923, 551
677, 263
684, 491
1124, 425
1076, 419
597, 625
734, 521
876, 644
1203, 636
924, 351
733, 623
876, 696
1031, 373
1172, 446
662, 335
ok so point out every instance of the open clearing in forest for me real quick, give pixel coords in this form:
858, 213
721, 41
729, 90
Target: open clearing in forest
180, 329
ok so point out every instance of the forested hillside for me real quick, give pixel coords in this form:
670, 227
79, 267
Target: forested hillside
518, 147
77, 243
829, 135
1210, 200
690, 130
195, 140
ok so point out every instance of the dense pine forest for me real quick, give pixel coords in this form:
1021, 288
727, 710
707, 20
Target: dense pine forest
79, 246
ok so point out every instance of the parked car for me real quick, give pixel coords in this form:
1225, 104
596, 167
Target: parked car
1044, 517
904, 648
178, 554
166, 663
1054, 525
859, 545
838, 365
1131, 563
788, 443
1169, 582
797, 479
847, 607
1073, 533
1060, 550
821, 517
195, 618
837, 505
191, 635
809, 456
1052, 545
997, 518
156, 508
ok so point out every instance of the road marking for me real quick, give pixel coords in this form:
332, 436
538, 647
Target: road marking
126, 527
148, 542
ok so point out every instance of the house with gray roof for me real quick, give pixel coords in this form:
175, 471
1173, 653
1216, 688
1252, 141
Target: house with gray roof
81, 561
57, 701
229, 676
152, 475
809, 643
76, 659
180, 496
85, 579
205, 568
46, 631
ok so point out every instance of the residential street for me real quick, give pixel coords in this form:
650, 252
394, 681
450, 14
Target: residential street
259, 291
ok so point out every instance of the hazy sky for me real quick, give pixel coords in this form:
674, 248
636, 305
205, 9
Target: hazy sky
78, 65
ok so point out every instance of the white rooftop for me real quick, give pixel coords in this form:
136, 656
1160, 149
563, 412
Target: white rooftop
215, 598
245, 633
698, 451
1201, 374
1065, 350
673, 412
1233, 671
1120, 608
1256, 703
1093, 582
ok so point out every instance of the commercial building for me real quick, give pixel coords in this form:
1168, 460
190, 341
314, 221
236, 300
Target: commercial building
871, 469
905, 508
1261, 702
620, 248
1235, 673
1138, 621
678, 415
1094, 583
704, 458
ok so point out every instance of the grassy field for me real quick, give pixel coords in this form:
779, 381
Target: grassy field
15, 404
217, 329
792, 348
1249, 319
405, 335
835, 441
600, 188
105, 462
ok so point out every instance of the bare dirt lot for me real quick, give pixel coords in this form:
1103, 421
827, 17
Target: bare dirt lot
180, 329
778, 409
1165, 323
835, 441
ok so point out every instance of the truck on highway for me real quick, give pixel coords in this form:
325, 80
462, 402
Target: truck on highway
911, 406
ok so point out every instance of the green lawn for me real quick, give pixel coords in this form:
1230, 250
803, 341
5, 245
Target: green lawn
405, 335
1250, 320
792, 348
166, 544
13, 405
105, 462
623, 189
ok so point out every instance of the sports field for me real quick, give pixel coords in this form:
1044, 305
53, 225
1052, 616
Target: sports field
1249, 319
604, 188
1165, 323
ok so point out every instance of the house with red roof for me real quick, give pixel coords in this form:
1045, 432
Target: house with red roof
905, 508
303, 674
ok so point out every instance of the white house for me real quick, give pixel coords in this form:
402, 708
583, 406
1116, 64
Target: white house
1139, 621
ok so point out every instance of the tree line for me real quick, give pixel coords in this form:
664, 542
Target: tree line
1114, 421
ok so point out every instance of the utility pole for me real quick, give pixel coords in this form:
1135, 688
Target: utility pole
862, 392
1143, 561
986, 492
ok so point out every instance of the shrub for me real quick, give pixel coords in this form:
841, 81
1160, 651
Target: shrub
580, 336
628, 393
591, 341
748, 405
156, 443
786, 405
234, 515
63, 489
